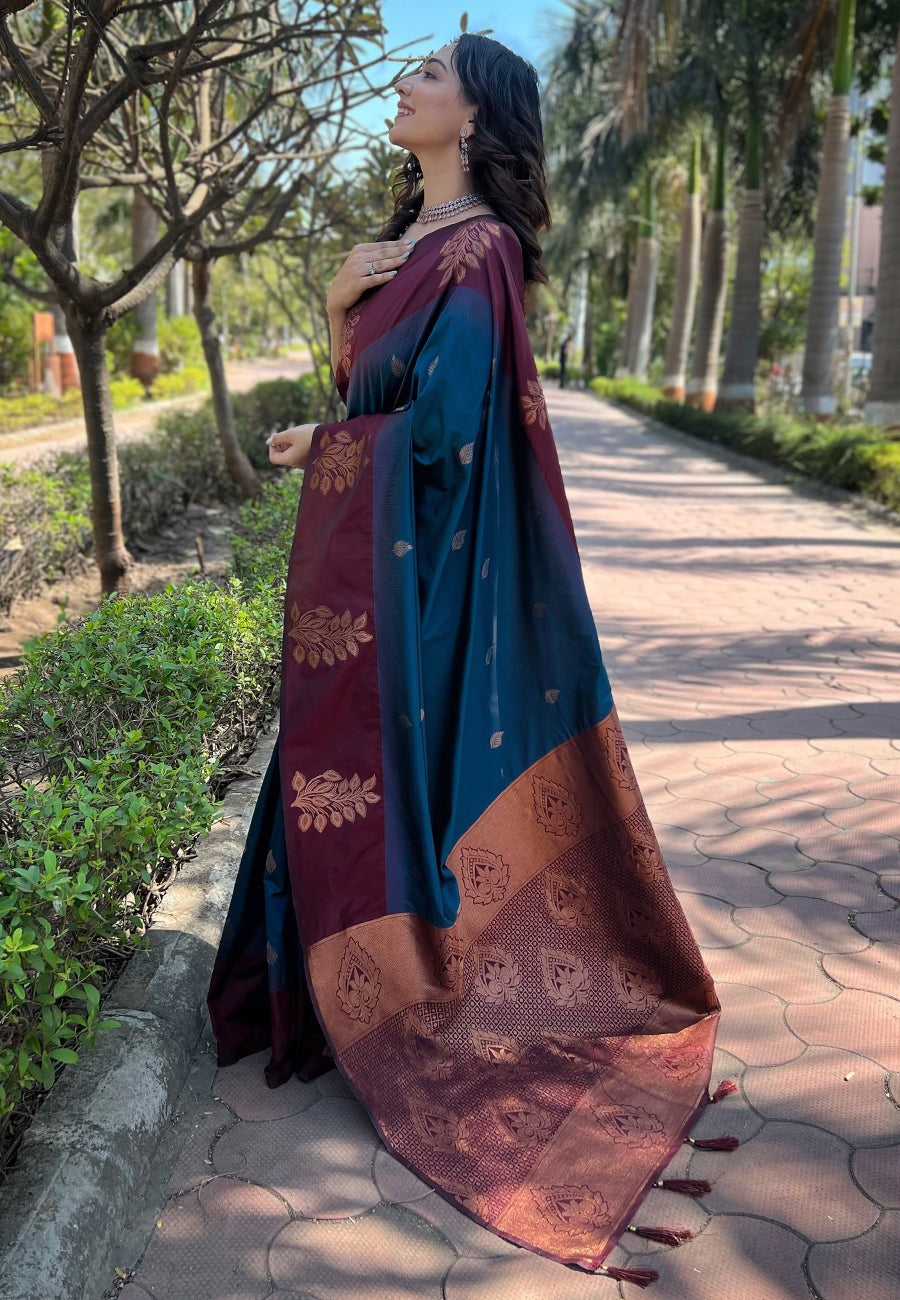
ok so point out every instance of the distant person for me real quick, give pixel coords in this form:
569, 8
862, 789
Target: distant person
563, 358
451, 889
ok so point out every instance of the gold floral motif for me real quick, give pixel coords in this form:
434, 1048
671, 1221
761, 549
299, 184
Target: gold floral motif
619, 760
636, 985
458, 540
398, 366
486, 567
496, 1049
556, 808
572, 1211
401, 548
567, 901
466, 249
631, 1126
524, 1126
497, 739
322, 636
332, 798
642, 922
359, 983
485, 876
271, 864
337, 462
566, 978
271, 955
448, 955
551, 696
431, 365
497, 976
345, 344
466, 453
581, 1052
438, 1127
534, 404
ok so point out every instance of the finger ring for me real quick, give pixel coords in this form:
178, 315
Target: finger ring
371, 268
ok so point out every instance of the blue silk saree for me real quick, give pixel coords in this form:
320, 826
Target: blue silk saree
451, 887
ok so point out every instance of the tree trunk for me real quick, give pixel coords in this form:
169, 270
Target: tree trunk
818, 396
239, 466
704, 381
687, 276
642, 290
883, 403
88, 338
627, 349
175, 291
738, 390
64, 372
145, 349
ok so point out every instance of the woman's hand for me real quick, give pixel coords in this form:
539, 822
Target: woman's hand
291, 448
355, 276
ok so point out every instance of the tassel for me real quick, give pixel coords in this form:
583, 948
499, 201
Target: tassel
714, 1144
641, 1277
725, 1089
668, 1236
686, 1186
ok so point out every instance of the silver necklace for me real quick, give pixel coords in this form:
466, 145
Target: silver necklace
449, 209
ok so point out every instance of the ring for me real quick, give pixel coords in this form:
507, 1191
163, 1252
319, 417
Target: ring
371, 268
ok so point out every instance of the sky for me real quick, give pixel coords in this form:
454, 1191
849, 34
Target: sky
526, 26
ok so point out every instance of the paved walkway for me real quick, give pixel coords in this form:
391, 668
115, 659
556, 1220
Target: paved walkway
752, 639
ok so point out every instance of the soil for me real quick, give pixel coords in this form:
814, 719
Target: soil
170, 556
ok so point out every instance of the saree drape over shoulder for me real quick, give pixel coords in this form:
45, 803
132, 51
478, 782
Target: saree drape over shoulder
450, 856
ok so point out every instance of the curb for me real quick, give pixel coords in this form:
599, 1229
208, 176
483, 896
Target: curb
87, 1153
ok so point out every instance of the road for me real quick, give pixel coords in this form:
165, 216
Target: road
25, 446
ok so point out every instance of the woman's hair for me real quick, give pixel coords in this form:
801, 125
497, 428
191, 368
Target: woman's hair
506, 152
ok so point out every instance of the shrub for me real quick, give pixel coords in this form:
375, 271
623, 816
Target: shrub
192, 379
860, 458
126, 392
179, 343
112, 735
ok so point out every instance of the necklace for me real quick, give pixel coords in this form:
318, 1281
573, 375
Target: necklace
449, 209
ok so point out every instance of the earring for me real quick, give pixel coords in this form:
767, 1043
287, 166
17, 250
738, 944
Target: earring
464, 150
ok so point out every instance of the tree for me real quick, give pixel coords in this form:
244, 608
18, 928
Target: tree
818, 397
117, 105
704, 381
687, 277
883, 403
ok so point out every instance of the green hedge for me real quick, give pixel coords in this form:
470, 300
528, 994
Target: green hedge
113, 735
858, 458
45, 525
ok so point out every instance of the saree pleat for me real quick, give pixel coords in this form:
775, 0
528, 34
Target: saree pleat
456, 841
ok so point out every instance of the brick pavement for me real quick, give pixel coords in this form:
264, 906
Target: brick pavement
752, 639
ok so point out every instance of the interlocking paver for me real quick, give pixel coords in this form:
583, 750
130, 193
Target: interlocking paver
736, 1256
825, 926
835, 882
877, 970
862, 1022
288, 1155
388, 1254
831, 1087
751, 647
794, 1174
753, 1026
789, 970
868, 1266
876, 1172
213, 1243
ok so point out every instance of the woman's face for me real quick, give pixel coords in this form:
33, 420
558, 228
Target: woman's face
432, 109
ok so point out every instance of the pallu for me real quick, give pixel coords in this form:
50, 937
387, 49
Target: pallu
450, 873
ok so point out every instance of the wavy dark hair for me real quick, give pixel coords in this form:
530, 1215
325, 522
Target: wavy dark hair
506, 152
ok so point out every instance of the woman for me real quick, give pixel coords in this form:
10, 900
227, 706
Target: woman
450, 869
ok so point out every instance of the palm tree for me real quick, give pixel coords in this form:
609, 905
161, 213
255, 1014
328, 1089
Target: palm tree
704, 381
738, 388
817, 397
883, 404
687, 277
642, 287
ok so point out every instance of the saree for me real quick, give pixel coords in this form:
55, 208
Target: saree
451, 888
